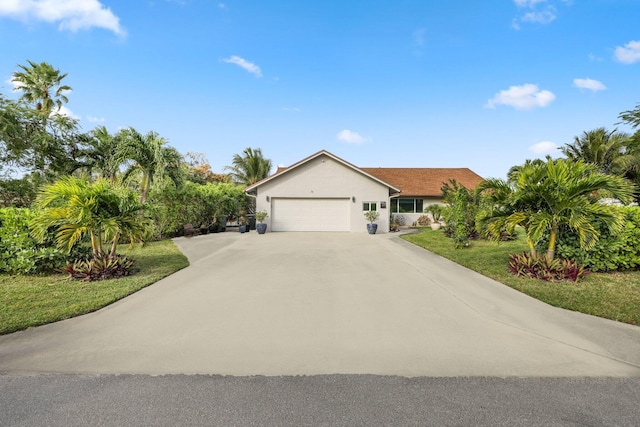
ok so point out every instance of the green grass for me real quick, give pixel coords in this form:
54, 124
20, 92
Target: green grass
614, 296
35, 300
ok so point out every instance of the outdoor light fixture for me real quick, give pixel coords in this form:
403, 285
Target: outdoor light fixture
353, 199
267, 198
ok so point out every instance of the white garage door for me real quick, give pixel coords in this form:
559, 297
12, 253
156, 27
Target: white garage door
310, 214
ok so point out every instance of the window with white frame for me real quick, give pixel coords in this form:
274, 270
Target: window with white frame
369, 206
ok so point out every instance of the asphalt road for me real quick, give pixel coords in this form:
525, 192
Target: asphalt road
334, 400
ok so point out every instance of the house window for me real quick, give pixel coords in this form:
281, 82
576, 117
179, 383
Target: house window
369, 206
407, 205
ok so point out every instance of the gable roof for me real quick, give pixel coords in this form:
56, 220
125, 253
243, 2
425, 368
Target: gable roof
424, 181
281, 171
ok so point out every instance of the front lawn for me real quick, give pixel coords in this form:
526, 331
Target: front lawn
35, 300
613, 296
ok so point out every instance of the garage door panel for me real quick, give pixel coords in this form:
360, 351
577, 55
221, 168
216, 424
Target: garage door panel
310, 214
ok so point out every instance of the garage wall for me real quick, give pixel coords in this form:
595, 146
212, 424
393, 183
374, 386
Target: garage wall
326, 178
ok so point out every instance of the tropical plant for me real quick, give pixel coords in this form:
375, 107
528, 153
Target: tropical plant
603, 148
77, 208
41, 85
543, 268
250, 167
542, 197
435, 211
459, 212
105, 266
101, 154
149, 158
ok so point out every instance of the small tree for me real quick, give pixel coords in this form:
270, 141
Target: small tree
372, 216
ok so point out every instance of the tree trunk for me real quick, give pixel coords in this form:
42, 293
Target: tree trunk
553, 237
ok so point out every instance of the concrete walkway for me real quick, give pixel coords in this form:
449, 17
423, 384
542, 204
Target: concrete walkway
324, 303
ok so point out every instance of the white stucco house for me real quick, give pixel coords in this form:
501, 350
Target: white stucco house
326, 193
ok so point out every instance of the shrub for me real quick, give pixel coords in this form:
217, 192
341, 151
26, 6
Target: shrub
102, 267
424, 220
620, 251
20, 253
540, 267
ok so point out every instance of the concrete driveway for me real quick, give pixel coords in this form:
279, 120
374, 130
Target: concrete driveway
324, 303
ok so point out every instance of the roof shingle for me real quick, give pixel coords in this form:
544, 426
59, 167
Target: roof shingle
424, 181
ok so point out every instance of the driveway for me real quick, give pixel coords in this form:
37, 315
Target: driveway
325, 303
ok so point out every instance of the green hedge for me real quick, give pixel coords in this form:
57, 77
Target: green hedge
19, 251
620, 251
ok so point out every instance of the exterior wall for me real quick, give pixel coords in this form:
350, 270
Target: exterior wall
324, 177
410, 218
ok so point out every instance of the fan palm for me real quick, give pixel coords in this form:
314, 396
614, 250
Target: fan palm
542, 197
41, 85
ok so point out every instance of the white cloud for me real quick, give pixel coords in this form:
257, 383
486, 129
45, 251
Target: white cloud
72, 15
629, 53
592, 85
64, 111
350, 137
544, 148
93, 119
246, 65
523, 97
544, 17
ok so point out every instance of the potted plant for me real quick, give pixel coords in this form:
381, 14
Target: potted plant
243, 224
436, 214
371, 217
261, 226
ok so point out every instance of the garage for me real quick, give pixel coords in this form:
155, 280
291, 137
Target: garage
310, 214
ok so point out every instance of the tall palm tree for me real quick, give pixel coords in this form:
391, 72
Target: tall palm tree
41, 85
78, 208
249, 168
543, 197
150, 158
603, 148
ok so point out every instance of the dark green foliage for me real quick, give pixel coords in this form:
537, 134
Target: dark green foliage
102, 267
542, 268
21, 253
460, 213
613, 251
172, 207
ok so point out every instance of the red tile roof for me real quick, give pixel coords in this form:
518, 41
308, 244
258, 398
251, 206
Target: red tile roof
424, 181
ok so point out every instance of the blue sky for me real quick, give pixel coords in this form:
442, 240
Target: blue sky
483, 84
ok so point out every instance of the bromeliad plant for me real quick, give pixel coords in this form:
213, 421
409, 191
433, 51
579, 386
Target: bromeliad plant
542, 268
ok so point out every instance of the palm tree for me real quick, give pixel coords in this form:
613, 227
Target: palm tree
603, 148
149, 157
249, 168
101, 154
78, 208
543, 197
41, 85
